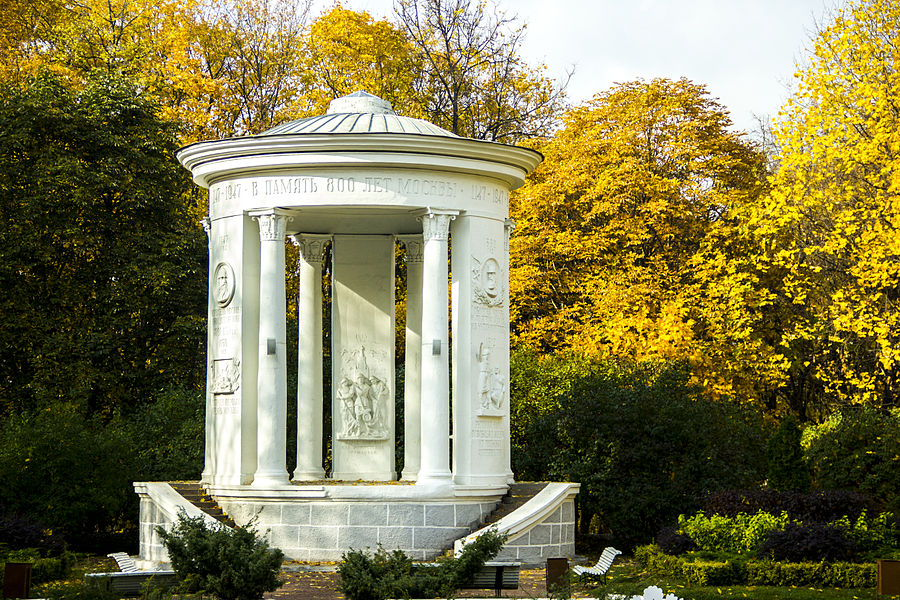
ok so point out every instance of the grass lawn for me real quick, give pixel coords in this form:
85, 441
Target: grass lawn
626, 577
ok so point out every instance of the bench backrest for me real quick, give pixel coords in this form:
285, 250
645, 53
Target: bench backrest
125, 562
506, 574
606, 559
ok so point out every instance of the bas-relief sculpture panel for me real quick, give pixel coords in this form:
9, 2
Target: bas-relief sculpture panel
362, 398
491, 383
225, 377
489, 315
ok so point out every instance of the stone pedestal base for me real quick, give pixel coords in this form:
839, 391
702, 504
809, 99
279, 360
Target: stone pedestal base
322, 522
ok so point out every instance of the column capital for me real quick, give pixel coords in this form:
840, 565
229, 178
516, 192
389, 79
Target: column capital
414, 244
312, 246
272, 223
436, 223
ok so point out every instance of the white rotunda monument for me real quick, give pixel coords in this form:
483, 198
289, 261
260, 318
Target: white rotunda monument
355, 181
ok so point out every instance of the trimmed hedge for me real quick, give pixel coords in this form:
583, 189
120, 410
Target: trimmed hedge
822, 574
737, 571
696, 572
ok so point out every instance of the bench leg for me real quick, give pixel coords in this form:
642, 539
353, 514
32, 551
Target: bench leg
498, 581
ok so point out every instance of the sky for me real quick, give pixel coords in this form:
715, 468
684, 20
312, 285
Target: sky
744, 51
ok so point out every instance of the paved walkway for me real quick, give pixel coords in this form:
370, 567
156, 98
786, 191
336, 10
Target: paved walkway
319, 585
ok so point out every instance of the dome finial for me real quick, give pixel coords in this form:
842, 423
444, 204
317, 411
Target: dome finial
360, 102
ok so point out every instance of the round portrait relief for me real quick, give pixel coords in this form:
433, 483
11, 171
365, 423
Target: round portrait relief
223, 289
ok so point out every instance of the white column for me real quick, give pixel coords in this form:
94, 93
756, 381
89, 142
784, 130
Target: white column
271, 443
435, 451
412, 390
208, 442
508, 226
309, 358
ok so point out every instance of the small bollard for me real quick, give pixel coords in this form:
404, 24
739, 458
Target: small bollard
556, 568
17, 580
888, 577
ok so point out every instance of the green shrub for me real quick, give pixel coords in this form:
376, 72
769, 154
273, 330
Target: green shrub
231, 564
653, 559
821, 574
381, 575
70, 469
393, 575
754, 572
94, 502
857, 450
42, 569
690, 568
712, 573
800, 542
871, 533
78, 591
53, 568
740, 534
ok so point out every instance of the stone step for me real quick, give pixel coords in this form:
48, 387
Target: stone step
518, 494
196, 495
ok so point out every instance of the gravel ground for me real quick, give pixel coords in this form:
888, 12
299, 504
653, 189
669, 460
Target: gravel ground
323, 585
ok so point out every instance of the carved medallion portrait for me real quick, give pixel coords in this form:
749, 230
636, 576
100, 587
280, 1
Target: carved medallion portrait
487, 282
223, 288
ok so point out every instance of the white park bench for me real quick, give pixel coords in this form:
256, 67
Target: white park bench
130, 580
125, 562
602, 566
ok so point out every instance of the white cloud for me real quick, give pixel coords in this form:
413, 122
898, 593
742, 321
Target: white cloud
742, 50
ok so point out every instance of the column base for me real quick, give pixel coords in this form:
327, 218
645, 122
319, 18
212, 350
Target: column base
266, 480
308, 475
441, 477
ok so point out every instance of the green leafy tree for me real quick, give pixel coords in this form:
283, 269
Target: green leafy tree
645, 446
102, 271
857, 449
787, 467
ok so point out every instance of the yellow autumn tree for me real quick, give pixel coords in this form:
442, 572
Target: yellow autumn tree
253, 49
827, 239
472, 78
632, 187
346, 51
